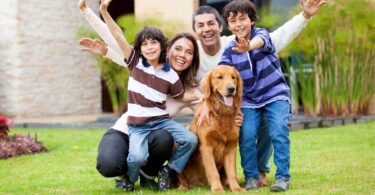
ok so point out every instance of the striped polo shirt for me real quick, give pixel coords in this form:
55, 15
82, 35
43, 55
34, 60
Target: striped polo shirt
263, 80
148, 89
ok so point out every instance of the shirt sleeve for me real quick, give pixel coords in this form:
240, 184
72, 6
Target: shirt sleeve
101, 28
176, 89
133, 59
268, 45
226, 57
115, 57
286, 33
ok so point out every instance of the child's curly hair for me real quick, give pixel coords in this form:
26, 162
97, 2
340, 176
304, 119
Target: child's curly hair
154, 34
240, 6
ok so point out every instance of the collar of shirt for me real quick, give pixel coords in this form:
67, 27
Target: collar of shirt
166, 66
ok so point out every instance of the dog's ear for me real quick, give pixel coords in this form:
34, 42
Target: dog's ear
206, 85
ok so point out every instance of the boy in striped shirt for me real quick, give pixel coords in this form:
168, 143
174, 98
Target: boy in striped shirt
265, 90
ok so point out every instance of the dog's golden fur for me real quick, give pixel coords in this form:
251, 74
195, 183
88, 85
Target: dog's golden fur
214, 162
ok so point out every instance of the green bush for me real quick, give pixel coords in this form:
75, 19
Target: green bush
339, 41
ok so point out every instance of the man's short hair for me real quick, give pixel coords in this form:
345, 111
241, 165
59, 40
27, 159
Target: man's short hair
206, 9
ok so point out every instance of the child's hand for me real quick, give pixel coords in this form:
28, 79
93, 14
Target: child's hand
242, 46
239, 119
96, 47
104, 4
82, 5
311, 7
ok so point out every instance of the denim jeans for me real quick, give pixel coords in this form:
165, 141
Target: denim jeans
264, 146
277, 114
138, 146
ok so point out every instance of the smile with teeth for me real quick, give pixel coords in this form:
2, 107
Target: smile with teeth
180, 61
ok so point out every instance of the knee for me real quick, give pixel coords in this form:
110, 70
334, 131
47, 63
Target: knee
110, 168
160, 139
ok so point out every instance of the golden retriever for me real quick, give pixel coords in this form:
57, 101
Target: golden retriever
214, 161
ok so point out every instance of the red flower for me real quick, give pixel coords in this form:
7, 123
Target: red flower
4, 126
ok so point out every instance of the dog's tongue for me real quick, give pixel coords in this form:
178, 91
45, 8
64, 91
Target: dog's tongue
228, 101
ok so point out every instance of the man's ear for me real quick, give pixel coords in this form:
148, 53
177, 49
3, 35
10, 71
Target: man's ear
206, 85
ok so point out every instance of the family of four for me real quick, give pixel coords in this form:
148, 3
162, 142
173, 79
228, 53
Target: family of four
164, 78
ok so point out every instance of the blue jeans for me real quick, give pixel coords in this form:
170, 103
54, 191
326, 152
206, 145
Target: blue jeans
277, 114
264, 146
138, 145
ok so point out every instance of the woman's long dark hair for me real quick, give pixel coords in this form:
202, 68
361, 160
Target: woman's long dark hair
188, 76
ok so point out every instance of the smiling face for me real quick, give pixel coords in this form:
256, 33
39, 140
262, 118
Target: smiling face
151, 50
207, 29
240, 25
181, 54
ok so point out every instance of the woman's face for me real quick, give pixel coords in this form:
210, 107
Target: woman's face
181, 54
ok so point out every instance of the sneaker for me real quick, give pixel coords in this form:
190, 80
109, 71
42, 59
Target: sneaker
125, 184
251, 183
148, 183
262, 179
280, 185
164, 178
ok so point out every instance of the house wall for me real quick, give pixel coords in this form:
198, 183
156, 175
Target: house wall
179, 11
42, 71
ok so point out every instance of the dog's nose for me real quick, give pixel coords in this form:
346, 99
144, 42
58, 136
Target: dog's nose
231, 90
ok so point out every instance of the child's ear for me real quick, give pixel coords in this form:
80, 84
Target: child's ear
205, 85
253, 23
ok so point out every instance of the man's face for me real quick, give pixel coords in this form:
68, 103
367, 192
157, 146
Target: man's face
207, 29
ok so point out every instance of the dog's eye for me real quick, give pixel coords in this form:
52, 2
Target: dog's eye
219, 77
233, 77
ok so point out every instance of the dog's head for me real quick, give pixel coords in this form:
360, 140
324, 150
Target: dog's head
223, 83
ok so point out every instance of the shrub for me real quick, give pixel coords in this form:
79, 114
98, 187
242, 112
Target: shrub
339, 42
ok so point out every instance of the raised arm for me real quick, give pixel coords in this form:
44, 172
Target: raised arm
99, 27
97, 47
285, 34
115, 29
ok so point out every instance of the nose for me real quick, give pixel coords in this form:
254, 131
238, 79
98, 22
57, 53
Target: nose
231, 90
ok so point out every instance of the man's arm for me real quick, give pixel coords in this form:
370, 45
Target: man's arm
285, 34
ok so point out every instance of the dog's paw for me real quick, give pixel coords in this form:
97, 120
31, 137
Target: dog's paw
238, 189
217, 189
182, 188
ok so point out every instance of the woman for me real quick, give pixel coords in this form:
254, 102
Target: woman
113, 148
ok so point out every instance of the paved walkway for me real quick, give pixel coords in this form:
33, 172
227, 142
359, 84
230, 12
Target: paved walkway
105, 121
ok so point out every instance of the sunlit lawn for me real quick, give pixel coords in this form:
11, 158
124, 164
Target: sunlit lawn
339, 160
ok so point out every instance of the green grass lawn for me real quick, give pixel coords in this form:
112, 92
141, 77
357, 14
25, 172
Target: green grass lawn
339, 160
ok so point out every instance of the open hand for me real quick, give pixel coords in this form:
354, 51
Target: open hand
104, 4
242, 45
82, 5
96, 47
311, 7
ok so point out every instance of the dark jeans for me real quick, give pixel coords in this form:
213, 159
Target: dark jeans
114, 147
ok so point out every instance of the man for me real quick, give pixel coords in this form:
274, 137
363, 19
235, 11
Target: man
208, 25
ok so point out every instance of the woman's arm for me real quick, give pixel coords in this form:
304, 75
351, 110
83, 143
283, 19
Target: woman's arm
99, 27
115, 29
97, 47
